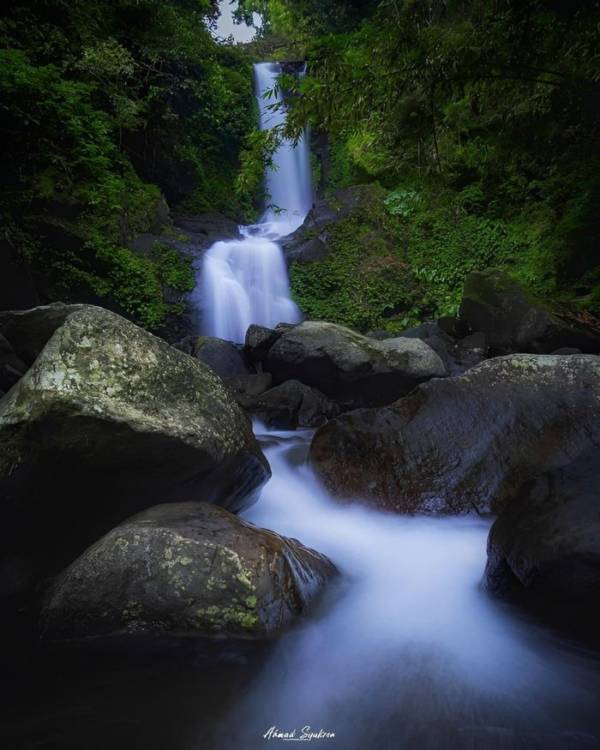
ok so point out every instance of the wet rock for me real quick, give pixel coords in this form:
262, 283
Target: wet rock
110, 419
544, 548
514, 321
311, 241
349, 368
245, 388
259, 340
210, 227
465, 443
292, 404
224, 357
453, 326
458, 356
475, 341
187, 344
285, 327
381, 335
422, 331
186, 569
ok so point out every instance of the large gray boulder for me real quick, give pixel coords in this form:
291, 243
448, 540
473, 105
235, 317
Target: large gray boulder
467, 443
450, 339
108, 420
544, 548
514, 321
258, 341
351, 369
246, 388
223, 357
185, 569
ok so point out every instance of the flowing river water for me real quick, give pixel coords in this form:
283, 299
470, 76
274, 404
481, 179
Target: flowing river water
406, 651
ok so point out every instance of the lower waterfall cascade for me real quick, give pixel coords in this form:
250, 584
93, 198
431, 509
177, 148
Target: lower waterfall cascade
244, 281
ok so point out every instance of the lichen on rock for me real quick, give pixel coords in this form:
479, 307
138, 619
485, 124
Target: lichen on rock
186, 569
109, 420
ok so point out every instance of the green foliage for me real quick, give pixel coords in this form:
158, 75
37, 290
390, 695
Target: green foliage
481, 118
172, 270
343, 171
402, 202
445, 244
258, 154
107, 107
365, 282
304, 19
134, 284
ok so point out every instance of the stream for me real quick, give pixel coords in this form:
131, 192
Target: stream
406, 651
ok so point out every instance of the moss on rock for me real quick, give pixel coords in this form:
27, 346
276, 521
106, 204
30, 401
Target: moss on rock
364, 281
108, 420
186, 569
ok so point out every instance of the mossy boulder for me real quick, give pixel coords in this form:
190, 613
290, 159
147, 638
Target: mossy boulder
245, 388
351, 369
544, 548
349, 263
108, 420
465, 443
311, 241
515, 321
258, 341
185, 569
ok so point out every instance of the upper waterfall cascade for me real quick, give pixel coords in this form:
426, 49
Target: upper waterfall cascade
245, 281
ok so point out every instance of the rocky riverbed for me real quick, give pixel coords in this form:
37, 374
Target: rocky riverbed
126, 463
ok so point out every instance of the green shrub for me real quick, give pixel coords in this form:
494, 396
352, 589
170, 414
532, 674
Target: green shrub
365, 281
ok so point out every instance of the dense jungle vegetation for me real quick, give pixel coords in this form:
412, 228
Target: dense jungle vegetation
477, 121
479, 118
108, 109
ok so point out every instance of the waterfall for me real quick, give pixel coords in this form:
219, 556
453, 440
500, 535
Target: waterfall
245, 281
289, 184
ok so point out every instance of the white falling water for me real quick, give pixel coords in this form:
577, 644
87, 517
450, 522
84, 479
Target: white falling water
245, 281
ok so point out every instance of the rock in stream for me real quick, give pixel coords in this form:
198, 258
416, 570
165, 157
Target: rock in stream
466, 443
186, 569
